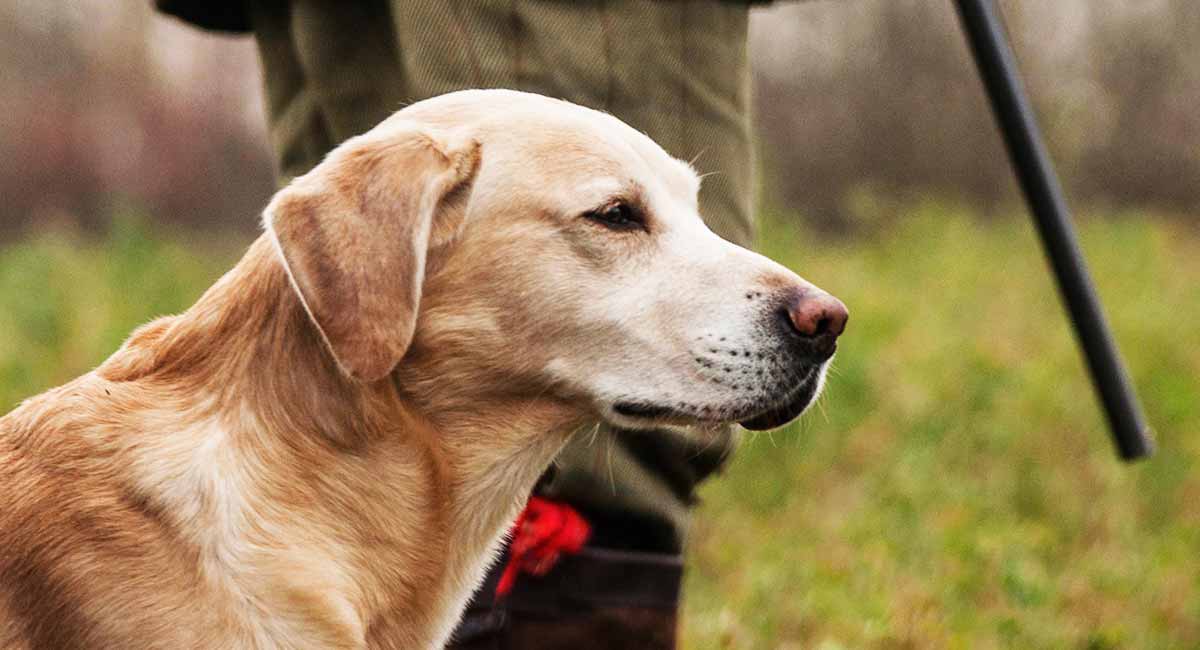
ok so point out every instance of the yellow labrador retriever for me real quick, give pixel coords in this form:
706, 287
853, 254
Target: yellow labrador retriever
326, 450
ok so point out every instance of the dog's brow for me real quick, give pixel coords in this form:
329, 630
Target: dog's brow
635, 195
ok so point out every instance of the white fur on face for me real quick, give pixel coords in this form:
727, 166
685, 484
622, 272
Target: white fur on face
671, 319
688, 332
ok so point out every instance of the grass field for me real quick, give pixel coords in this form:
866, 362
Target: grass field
954, 489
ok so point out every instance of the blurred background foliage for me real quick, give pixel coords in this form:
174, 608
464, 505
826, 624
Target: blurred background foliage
880, 96
105, 101
955, 488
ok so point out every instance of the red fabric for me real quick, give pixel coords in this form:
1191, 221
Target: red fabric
543, 532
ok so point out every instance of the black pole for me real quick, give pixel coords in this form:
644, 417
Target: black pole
997, 67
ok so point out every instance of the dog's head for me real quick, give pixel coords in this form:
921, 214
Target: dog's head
554, 250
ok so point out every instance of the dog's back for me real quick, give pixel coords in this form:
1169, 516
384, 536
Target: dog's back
37, 605
19, 621
76, 546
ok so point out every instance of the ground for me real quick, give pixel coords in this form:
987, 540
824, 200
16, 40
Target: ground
955, 488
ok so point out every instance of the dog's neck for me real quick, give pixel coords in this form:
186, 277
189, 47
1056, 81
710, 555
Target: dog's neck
249, 343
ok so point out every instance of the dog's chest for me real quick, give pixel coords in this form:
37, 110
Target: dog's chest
366, 550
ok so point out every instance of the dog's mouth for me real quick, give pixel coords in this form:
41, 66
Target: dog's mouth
789, 409
754, 418
647, 411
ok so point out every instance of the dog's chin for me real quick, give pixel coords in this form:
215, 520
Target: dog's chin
788, 410
641, 414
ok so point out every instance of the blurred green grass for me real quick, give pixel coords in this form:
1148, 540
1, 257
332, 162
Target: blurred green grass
67, 302
955, 488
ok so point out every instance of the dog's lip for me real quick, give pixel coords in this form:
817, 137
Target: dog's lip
777, 415
789, 410
644, 410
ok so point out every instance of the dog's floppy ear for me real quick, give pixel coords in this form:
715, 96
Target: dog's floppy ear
355, 231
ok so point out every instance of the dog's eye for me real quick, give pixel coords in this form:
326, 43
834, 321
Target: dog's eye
618, 216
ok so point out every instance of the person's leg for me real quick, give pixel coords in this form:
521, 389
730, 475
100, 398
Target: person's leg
330, 72
678, 71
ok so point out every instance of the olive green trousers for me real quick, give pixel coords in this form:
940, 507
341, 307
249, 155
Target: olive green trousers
677, 71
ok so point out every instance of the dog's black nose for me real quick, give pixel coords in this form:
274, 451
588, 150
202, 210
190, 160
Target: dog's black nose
818, 319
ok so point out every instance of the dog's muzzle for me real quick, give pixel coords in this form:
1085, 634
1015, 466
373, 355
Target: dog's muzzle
773, 382
811, 322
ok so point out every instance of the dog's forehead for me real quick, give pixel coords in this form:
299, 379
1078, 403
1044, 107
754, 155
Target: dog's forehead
555, 136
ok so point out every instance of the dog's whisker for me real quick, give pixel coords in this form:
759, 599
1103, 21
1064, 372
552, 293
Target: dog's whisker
611, 477
594, 435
